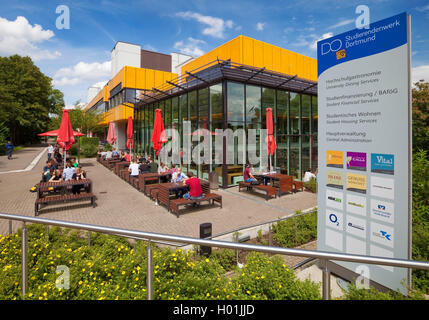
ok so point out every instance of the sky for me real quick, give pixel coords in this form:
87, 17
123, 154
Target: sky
77, 56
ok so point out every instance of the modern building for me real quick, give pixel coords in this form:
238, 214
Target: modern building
133, 70
231, 87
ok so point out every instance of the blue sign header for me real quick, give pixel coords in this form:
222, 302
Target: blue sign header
382, 35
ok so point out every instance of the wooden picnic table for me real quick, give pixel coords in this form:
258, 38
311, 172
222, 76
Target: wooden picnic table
166, 189
282, 182
61, 188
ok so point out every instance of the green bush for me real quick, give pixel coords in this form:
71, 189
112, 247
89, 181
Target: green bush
355, 293
296, 231
112, 269
108, 147
74, 149
89, 151
420, 226
311, 185
89, 141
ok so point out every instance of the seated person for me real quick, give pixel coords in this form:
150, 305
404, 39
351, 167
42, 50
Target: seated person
144, 167
74, 163
178, 176
109, 155
308, 176
68, 171
153, 166
163, 169
127, 157
115, 153
142, 159
47, 175
134, 169
194, 185
173, 169
57, 177
247, 174
78, 175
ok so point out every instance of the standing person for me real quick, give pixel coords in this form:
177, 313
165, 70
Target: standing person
50, 151
9, 150
195, 191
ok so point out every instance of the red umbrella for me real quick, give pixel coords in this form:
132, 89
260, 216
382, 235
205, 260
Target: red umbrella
270, 139
130, 132
111, 134
158, 133
54, 133
65, 134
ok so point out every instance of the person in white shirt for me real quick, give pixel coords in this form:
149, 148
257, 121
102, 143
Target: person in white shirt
109, 154
134, 169
162, 168
178, 175
50, 151
308, 176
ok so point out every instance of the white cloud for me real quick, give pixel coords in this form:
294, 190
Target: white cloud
20, 37
190, 47
215, 26
423, 9
313, 45
342, 23
420, 73
260, 26
81, 72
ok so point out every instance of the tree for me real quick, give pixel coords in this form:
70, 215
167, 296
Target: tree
420, 99
26, 99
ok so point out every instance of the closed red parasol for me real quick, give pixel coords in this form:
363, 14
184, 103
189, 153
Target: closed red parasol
65, 134
271, 142
111, 134
158, 134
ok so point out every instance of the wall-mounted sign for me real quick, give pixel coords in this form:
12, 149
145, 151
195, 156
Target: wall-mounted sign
364, 179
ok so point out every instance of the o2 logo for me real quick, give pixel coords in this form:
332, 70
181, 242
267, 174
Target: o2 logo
334, 219
332, 46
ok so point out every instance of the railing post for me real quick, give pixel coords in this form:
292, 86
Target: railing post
149, 272
269, 235
89, 239
24, 249
326, 280
10, 227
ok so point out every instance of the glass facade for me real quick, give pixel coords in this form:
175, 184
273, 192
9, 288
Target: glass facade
294, 119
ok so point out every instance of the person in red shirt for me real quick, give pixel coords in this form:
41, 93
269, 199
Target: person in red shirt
247, 174
194, 185
127, 157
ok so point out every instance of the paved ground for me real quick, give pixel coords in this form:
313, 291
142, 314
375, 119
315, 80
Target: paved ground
120, 205
20, 159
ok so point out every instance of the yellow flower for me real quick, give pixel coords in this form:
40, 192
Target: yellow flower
207, 260
123, 272
208, 294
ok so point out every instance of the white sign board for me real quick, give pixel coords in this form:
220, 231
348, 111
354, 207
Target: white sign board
364, 202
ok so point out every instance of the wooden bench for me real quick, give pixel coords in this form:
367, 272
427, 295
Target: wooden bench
150, 190
269, 191
211, 198
63, 198
298, 185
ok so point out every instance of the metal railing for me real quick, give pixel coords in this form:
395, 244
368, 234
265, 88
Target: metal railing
149, 236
